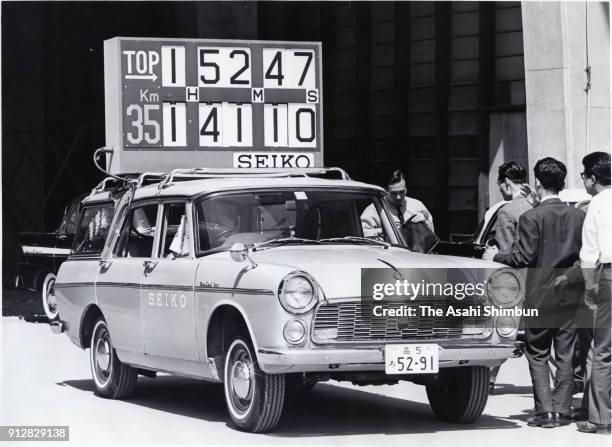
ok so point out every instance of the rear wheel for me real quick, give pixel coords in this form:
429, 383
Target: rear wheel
112, 378
48, 297
459, 395
254, 399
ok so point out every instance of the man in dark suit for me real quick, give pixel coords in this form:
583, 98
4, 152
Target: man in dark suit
548, 243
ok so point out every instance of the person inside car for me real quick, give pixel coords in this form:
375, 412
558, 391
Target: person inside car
403, 209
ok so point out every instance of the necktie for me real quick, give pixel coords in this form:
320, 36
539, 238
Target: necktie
400, 214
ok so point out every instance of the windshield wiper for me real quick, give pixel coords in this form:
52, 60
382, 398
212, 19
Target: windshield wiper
356, 240
284, 241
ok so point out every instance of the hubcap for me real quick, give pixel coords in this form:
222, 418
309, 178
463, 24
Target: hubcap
241, 379
103, 354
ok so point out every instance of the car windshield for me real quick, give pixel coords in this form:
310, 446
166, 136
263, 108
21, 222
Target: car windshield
269, 219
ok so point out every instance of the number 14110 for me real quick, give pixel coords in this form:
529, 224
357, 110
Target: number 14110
221, 125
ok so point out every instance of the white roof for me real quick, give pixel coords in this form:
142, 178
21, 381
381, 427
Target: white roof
192, 188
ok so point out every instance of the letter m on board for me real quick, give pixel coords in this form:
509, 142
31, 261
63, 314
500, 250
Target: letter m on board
257, 95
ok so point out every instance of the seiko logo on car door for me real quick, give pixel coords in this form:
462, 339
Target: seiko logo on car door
170, 300
167, 293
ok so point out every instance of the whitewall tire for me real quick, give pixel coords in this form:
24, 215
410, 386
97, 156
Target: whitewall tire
48, 297
112, 378
254, 399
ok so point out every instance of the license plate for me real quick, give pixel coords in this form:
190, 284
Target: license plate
411, 359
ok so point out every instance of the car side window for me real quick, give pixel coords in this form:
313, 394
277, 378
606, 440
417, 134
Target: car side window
71, 219
216, 219
137, 233
92, 230
175, 240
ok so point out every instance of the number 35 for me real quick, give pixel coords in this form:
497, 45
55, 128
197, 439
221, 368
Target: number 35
141, 119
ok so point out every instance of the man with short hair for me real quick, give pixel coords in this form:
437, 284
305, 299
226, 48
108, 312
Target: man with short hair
549, 238
403, 208
595, 258
511, 176
510, 179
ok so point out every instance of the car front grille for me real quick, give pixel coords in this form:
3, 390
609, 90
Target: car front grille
353, 321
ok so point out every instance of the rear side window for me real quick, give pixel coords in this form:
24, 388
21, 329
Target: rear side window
92, 230
71, 219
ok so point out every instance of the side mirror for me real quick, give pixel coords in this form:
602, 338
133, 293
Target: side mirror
240, 253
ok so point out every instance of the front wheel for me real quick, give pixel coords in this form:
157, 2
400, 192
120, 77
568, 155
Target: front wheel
48, 297
459, 395
112, 378
254, 399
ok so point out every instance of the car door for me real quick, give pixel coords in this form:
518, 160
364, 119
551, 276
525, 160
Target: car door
75, 288
167, 294
120, 276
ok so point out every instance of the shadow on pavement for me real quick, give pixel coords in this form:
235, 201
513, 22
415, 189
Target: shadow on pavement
508, 388
576, 402
522, 416
326, 411
177, 395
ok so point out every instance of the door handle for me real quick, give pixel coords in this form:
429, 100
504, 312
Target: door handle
149, 265
105, 263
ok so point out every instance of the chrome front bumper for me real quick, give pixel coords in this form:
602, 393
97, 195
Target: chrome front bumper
372, 359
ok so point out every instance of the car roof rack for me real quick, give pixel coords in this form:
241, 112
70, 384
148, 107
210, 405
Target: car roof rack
149, 178
207, 173
164, 179
144, 179
106, 184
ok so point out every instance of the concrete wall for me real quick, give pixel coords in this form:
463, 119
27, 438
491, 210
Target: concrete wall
507, 141
556, 37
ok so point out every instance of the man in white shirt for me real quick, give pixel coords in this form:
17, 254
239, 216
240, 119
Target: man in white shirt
403, 209
595, 258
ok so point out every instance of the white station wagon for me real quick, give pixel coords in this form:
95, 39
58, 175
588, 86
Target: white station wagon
252, 279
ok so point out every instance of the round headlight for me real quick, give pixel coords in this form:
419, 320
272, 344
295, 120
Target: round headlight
504, 288
506, 326
297, 294
294, 331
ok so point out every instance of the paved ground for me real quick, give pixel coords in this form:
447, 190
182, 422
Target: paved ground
46, 380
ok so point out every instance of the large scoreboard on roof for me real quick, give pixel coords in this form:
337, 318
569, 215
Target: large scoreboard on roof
173, 103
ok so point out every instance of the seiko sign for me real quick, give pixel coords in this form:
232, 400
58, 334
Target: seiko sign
192, 103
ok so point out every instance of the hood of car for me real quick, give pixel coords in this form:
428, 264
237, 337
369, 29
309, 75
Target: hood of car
337, 268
